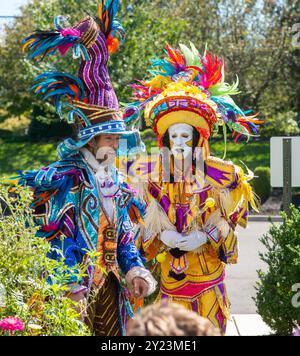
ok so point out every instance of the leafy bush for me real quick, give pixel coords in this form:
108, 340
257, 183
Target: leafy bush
274, 299
281, 124
44, 126
14, 126
24, 274
262, 183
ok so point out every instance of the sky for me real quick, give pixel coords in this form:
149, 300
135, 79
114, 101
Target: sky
10, 7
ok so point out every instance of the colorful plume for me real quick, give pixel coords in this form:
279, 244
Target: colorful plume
56, 85
41, 44
109, 24
195, 75
211, 74
86, 40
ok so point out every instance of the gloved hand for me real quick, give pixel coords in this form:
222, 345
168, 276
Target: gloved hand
192, 241
170, 238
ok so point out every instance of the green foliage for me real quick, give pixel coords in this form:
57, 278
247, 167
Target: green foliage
274, 299
281, 124
254, 37
252, 154
24, 270
262, 183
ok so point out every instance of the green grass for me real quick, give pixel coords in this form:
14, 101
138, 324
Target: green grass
16, 156
252, 154
23, 155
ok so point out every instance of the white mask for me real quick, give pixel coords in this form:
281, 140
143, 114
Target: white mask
181, 140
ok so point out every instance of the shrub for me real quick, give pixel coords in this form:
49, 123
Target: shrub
281, 124
275, 299
262, 183
43, 127
25, 293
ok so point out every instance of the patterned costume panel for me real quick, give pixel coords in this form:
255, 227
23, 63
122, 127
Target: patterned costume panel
103, 316
67, 210
68, 195
213, 305
195, 201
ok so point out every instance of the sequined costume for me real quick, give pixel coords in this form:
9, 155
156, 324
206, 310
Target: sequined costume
189, 89
80, 205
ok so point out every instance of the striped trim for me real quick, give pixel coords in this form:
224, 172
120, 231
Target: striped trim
89, 37
109, 127
97, 114
103, 313
95, 76
214, 234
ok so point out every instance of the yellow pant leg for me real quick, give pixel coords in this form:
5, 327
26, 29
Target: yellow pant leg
215, 307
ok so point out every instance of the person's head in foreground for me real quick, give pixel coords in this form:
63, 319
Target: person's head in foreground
170, 320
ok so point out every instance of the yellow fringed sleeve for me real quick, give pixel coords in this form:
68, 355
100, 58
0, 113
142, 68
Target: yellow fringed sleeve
242, 197
235, 194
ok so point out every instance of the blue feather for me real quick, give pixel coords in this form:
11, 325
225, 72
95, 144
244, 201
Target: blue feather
226, 105
47, 41
56, 85
169, 70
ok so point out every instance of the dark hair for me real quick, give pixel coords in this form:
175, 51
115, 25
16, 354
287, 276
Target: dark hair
166, 143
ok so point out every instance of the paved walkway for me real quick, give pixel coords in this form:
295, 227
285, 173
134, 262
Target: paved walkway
242, 277
247, 325
241, 280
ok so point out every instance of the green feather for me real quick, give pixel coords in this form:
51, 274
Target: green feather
239, 129
205, 50
192, 56
188, 54
195, 52
222, 89
225, 140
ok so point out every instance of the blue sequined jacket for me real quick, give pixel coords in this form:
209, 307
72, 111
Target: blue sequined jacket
66, 204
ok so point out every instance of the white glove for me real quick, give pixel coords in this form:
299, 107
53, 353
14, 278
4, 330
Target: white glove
192, 241
170, 238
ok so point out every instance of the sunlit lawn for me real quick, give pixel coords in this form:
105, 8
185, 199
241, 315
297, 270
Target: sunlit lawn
252, 154
18, 155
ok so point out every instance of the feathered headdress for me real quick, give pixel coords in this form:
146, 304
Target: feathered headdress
88, 99
189, 88
81, 37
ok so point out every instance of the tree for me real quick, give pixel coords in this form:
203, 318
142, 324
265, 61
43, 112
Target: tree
254, 37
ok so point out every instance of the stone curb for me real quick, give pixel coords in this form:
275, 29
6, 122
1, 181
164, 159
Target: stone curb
265, 218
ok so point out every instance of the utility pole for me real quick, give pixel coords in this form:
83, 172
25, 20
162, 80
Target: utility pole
287, 175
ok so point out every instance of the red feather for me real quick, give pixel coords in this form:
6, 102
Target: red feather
212, 73
176, 58
141, 91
